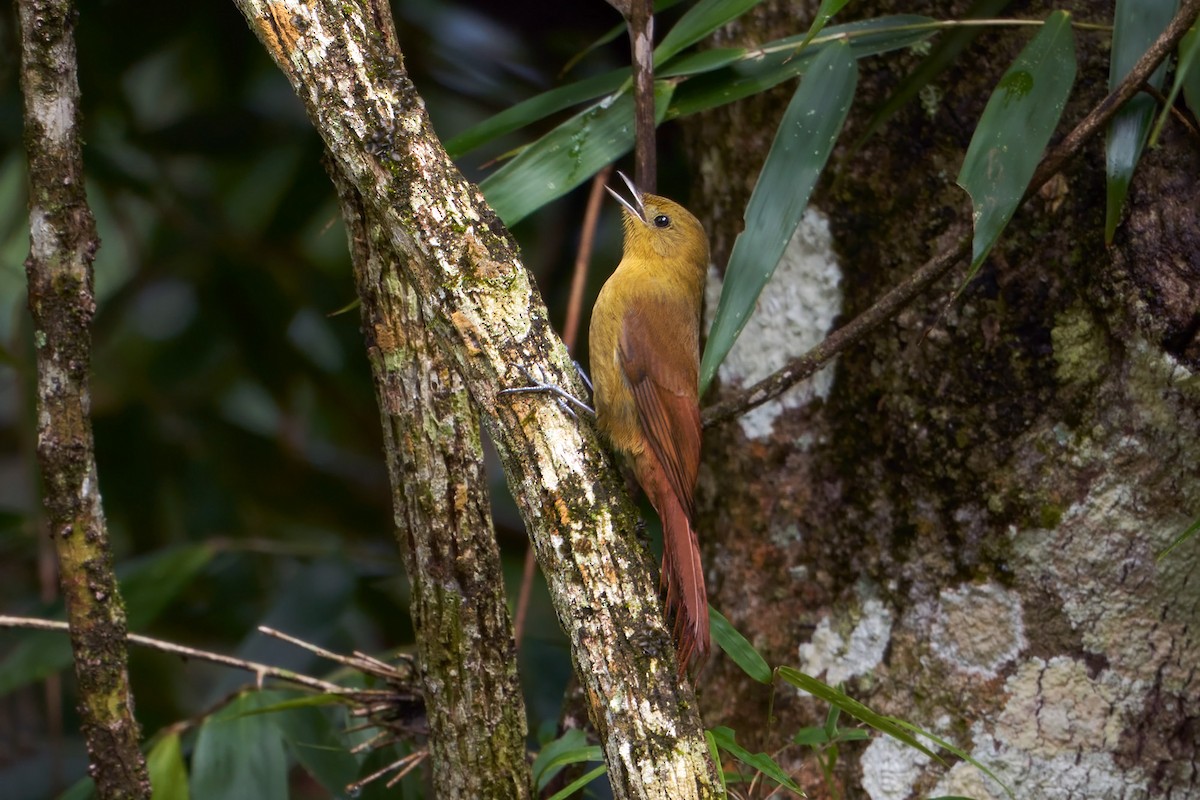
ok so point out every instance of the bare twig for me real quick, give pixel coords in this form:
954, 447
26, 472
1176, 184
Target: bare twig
260, 671
887, 306
362, 663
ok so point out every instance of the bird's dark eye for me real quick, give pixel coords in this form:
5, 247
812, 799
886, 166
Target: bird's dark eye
662, 221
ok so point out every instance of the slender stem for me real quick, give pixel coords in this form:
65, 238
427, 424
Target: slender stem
260, 670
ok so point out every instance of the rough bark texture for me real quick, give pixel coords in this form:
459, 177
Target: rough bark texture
467, 654
63, 243
962, 523
485, 313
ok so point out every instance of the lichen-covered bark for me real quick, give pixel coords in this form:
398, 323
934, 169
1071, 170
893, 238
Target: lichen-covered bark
63, 243
484, 311
467, 654
964, 524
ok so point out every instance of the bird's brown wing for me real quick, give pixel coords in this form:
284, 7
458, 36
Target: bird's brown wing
659, 355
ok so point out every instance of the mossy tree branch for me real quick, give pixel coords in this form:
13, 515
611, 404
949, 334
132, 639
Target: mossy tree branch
481, 306
63, 243
467, 653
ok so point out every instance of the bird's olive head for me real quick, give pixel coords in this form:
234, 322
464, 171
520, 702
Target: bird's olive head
658, 227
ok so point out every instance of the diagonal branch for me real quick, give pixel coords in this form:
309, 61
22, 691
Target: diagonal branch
890, 304
468, 656
482, 308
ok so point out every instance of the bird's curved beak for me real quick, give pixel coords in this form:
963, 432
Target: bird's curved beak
636, 207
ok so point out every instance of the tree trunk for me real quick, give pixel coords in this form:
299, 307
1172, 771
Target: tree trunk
961, 518
490, 323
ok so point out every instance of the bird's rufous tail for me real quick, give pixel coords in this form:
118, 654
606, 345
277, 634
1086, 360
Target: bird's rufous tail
682, 572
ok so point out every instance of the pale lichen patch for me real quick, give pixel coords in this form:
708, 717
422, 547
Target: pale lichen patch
840, 657
890, 768
1056, 707
794, 312
1063, 775
978, 628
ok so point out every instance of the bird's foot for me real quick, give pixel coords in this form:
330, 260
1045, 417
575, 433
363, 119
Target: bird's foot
564, 398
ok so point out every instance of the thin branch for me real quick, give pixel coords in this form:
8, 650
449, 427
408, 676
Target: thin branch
641, 45
891, 303
261, 671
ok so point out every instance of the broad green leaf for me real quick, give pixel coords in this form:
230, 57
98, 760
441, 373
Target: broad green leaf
570, 748
1136, 24
574, 786
737, 648
725, 739
567, 156
168, 773
778, 61
536, 108
699, 21
1188, 533
240, 754
1187, 78
147, 584
805, 137
881, 723
1014, 129
315, 737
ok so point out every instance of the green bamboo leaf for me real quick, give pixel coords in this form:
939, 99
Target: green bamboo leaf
148, 585
567, 156
958, 751
1189, 73
580, 782
748, 72
536, 108
704, 61
1187, 78
168, 774
802, 145
240, 754
570, 748
699, 21
737, 648
881, 723
1136, 24
726, 740
825, 13
776, 60
1014, 129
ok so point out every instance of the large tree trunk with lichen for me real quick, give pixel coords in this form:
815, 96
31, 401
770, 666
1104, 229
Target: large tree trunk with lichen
960, 519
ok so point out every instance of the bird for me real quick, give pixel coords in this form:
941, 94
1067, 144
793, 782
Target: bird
644, 348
